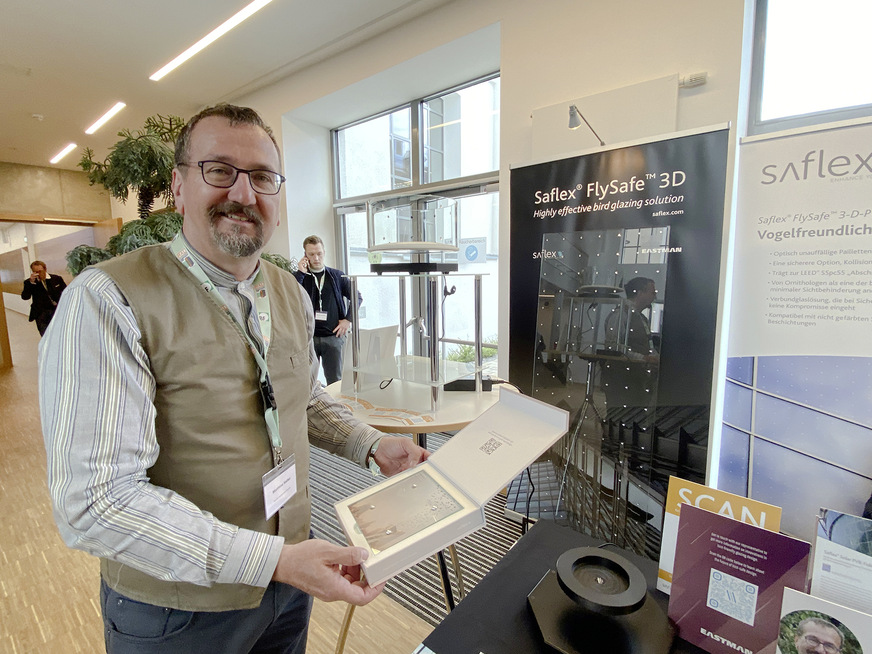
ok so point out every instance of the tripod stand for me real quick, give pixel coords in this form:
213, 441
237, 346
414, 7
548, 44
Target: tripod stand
587, 403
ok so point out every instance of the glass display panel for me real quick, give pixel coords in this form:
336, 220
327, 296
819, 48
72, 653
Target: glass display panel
601, 299
380, 300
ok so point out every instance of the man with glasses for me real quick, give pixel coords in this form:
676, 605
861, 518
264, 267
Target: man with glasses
818, 636
178, 405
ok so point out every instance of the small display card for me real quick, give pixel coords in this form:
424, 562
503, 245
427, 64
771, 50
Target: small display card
683, 492
810, 624
728, 581
842, 570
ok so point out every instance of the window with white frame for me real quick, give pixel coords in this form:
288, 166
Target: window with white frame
809, 63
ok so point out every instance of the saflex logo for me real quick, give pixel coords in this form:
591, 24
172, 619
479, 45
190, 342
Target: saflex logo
818, 164
548, 254
557, 194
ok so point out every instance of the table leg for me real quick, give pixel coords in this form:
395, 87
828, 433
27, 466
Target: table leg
455, 561
446, 582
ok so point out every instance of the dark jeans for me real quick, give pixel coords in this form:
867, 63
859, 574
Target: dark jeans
278, 626
329, 351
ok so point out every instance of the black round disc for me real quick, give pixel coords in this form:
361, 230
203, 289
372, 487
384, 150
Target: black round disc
602, 581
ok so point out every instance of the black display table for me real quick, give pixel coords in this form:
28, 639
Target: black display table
495, 617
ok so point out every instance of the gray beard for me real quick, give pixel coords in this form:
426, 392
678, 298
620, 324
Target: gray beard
235, 242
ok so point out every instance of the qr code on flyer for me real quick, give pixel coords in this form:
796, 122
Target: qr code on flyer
490, 446
732, 596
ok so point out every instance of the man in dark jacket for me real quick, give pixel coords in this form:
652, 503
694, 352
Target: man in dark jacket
45, 291
330, 291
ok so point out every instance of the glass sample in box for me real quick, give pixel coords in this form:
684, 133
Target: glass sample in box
404, 509
416, 513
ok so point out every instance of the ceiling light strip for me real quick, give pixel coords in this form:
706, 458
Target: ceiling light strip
105, 118
63, 153
214, 35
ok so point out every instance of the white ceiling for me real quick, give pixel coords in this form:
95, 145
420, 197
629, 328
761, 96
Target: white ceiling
69, 62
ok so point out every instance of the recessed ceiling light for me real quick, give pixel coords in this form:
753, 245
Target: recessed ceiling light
214, 35
105, 118
63, 153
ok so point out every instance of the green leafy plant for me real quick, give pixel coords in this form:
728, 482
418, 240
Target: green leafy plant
165, 224
286, 264
466, 353
159, 227
82, 256
141, 160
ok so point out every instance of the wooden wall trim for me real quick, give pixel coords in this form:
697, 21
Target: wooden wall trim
48, 220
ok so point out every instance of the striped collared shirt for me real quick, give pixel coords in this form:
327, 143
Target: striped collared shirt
98, 423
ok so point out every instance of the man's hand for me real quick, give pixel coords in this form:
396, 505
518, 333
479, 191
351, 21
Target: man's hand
303, 264
326, 571
34, 278
397, 453
342, 327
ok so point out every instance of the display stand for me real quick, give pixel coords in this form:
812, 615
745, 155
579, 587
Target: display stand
385, 233
432, 370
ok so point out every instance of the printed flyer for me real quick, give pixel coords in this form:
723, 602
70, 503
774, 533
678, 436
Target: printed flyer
842, 569
733, 506
728, 582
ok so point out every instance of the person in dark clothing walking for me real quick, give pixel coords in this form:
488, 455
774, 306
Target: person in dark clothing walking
45, 292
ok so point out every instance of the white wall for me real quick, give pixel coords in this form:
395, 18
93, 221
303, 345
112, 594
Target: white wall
12, 237
549, 52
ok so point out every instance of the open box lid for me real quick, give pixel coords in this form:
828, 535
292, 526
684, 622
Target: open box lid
483, 457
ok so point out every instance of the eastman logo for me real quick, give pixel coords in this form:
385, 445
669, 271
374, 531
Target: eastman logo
720, 639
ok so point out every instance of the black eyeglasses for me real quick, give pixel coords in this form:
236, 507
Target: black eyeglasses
829, 648
223, 175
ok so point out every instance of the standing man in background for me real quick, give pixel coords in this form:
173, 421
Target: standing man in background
45, 291
330, 291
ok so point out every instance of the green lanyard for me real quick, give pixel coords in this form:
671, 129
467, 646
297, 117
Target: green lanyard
261, 306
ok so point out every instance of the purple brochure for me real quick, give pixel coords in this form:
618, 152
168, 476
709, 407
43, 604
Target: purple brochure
728, 582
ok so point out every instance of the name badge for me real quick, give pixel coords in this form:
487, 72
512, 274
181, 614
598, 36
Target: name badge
321, 315
279, 485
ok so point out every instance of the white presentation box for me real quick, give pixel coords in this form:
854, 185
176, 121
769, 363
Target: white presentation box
418, 512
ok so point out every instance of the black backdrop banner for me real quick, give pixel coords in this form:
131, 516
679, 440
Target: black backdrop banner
581, 228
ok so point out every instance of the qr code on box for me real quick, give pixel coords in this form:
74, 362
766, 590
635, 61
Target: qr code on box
732, 596
490, 446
